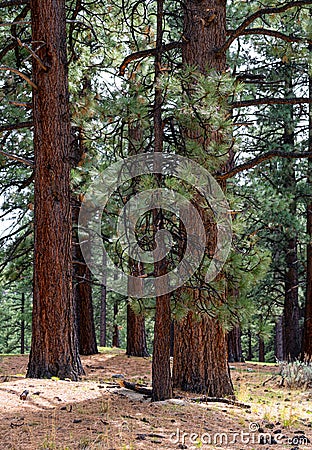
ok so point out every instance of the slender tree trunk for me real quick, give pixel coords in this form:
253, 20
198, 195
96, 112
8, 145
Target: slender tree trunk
82, 292
103, 314
200, 349
54, 350
291, 305
250, 353
235, 345
23, 324
261, 350
279, 339
116, 342
161, 374
136, 334
306, 352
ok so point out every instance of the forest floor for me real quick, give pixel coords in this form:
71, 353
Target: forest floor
96, 413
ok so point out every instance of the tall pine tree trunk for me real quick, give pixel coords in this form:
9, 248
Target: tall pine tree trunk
23, 324
200, 348
161, 375
136, 334
103, 307
115, 341
306, 351
250, 353
82, 292
54, 350
279, 339
261, 350
291, 305
234, 337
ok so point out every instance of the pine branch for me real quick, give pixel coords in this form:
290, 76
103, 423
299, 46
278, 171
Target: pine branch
277, 34
256, 15
27, 162
145, 53
260, 159
14, 3
15, 126
26, 105
271, 101
19, 22
20, 74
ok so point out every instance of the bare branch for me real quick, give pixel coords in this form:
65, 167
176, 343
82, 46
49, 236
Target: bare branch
27, 162
145, 54
33, 53
260, 159
277, 34
271, 101
20, 74
15, 126
14, 3
26, 105
9, 24
256, 15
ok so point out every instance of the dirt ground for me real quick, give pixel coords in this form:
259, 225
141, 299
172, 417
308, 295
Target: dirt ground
96, 413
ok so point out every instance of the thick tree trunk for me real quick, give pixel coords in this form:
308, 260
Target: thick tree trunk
172, 338
235, 352
136, 336
200, 350
54, 350
82, 292
306, 352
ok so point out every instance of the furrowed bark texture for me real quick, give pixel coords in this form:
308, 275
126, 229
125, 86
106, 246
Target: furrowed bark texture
162, 383
82, 292
54, 349
200, 348
307, 330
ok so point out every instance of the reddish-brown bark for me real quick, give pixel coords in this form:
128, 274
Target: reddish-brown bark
82, 289
200, 348
54, 350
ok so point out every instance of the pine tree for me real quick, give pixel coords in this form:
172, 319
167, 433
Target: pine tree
54, 350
